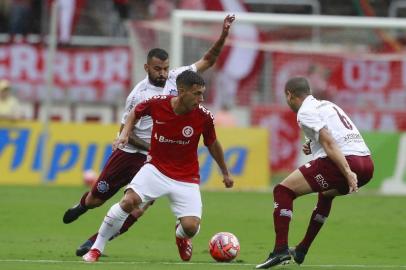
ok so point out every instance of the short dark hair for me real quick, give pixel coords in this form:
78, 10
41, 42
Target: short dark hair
188, 78
298, 86
158, 53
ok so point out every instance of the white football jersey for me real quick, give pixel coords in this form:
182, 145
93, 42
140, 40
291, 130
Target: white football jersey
142, 91
315, 114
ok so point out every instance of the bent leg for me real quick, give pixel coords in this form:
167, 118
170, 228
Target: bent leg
292, 186
115, 218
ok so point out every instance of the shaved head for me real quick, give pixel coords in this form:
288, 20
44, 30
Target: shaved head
298, 86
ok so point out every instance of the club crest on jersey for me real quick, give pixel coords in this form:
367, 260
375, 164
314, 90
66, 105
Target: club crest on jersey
102, 187
187, 131
173, 92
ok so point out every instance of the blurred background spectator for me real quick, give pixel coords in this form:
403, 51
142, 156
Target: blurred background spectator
9, 105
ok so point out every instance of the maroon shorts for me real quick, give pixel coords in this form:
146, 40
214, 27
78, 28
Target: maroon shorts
322, 174
118, 172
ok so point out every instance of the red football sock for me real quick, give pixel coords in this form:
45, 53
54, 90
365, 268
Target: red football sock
319, 216
83, 199
283, 204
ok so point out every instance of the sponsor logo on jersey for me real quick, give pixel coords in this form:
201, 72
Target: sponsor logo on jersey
162, 139
103, 187
286, 213
187, 131
319, 218
321, 181
159, 122
173, 92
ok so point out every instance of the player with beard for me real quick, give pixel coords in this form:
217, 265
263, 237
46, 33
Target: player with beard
124, 163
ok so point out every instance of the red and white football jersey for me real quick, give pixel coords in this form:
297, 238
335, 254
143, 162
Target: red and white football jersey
142, 91
175, 138
315, 114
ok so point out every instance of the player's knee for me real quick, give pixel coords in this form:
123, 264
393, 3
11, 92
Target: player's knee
129, 202
191, 226
137, 212
280, 190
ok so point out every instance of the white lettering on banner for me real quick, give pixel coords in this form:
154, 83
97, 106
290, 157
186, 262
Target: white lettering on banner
354, 73
115, 65
365, 74
86, 67
24, 61
61, 67
103, 73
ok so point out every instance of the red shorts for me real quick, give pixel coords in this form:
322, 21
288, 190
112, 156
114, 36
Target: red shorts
322, 174
118, 172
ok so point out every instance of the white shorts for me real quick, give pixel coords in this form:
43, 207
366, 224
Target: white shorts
150, 184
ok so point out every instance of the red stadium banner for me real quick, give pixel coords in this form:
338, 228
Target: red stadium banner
96, 74
370, 81
284, 139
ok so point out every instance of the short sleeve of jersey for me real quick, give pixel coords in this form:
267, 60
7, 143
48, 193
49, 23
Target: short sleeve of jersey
311, 123
144, 108
132, 100
209, 133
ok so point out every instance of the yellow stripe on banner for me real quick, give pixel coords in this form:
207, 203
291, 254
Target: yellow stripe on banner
74, 148
246, 155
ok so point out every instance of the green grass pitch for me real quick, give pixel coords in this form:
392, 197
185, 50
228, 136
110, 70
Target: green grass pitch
362, 232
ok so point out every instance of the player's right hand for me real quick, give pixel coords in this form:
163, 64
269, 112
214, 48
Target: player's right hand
228, 20
120, 142
352, 180
306, 148
228, 182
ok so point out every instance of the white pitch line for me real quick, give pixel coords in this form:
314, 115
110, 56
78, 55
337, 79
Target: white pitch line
203, 263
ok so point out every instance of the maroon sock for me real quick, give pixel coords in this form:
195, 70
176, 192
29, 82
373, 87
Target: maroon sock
128, 223
83, 199
93, 237
283, 204
319, 216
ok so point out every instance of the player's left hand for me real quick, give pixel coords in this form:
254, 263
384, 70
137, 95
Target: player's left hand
228, 20
352, 182
228, 182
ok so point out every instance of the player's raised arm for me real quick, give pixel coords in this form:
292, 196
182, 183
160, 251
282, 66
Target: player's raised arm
216, 151
123, 138
210, 57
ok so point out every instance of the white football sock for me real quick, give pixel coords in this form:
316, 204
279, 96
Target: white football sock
180, 233
111, 225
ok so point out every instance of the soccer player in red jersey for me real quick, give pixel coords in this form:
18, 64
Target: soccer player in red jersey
172, 167
124, 163
341, 164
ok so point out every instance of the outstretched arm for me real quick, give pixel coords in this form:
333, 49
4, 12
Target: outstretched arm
334, 153
216, 151
122, 140
136, 141
210, 57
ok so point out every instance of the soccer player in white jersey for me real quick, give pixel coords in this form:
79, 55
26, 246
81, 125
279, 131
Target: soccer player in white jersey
172, 167
341, 164
124, 163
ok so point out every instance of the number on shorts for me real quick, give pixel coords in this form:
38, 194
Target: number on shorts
343, 119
